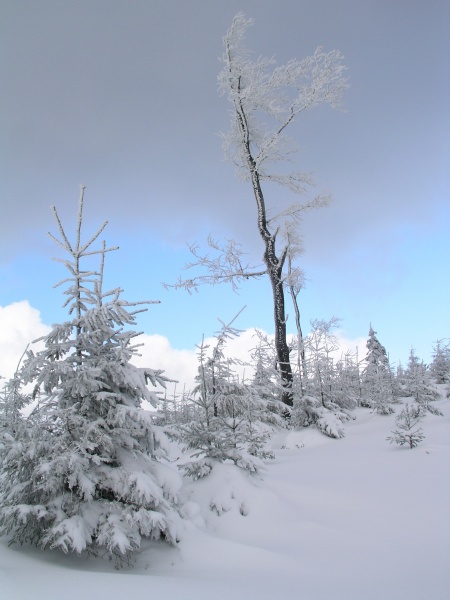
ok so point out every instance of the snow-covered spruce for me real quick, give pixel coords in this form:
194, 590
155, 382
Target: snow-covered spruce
377, 380
85, 471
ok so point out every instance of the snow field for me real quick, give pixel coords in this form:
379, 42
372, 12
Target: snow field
347, 519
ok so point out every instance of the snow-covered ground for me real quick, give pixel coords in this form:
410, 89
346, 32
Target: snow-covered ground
349, 519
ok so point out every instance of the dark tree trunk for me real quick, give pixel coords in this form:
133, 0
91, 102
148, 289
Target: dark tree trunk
281, 344
274, 264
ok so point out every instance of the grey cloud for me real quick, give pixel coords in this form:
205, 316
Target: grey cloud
122, 96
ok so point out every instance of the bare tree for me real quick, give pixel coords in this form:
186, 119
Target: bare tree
265, 100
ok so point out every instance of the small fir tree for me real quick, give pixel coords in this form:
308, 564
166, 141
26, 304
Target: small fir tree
86, 471
228, 426
267, 383
407, 432
320, 345
318, 401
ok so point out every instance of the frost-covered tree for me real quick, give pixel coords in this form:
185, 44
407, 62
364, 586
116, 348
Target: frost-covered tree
266, 381
86, 471
440, 366
321, 344
319, 400
418, 384
377, 377
12, 400
266, 99
228, 425
407, 432
176, 408
347, 384
376, 357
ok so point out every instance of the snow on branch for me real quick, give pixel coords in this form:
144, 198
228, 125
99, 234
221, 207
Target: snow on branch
225, 266
267, 98
295, 211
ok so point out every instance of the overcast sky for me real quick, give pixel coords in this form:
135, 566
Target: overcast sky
122, 97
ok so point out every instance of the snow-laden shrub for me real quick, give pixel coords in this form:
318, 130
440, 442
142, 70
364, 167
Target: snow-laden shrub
223, 440
328, 419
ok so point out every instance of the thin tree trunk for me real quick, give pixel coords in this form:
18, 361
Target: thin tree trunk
302, 369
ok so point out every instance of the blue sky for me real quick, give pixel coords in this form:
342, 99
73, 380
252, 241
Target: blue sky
122, 97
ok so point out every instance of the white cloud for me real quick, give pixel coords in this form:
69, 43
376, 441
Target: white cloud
157, 353
347, 344
20, 324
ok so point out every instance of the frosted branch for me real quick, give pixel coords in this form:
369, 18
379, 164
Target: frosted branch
226, 266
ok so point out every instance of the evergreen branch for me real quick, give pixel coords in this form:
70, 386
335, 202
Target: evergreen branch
81, 251
80, 217
55, 239
102, 251
67, 245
